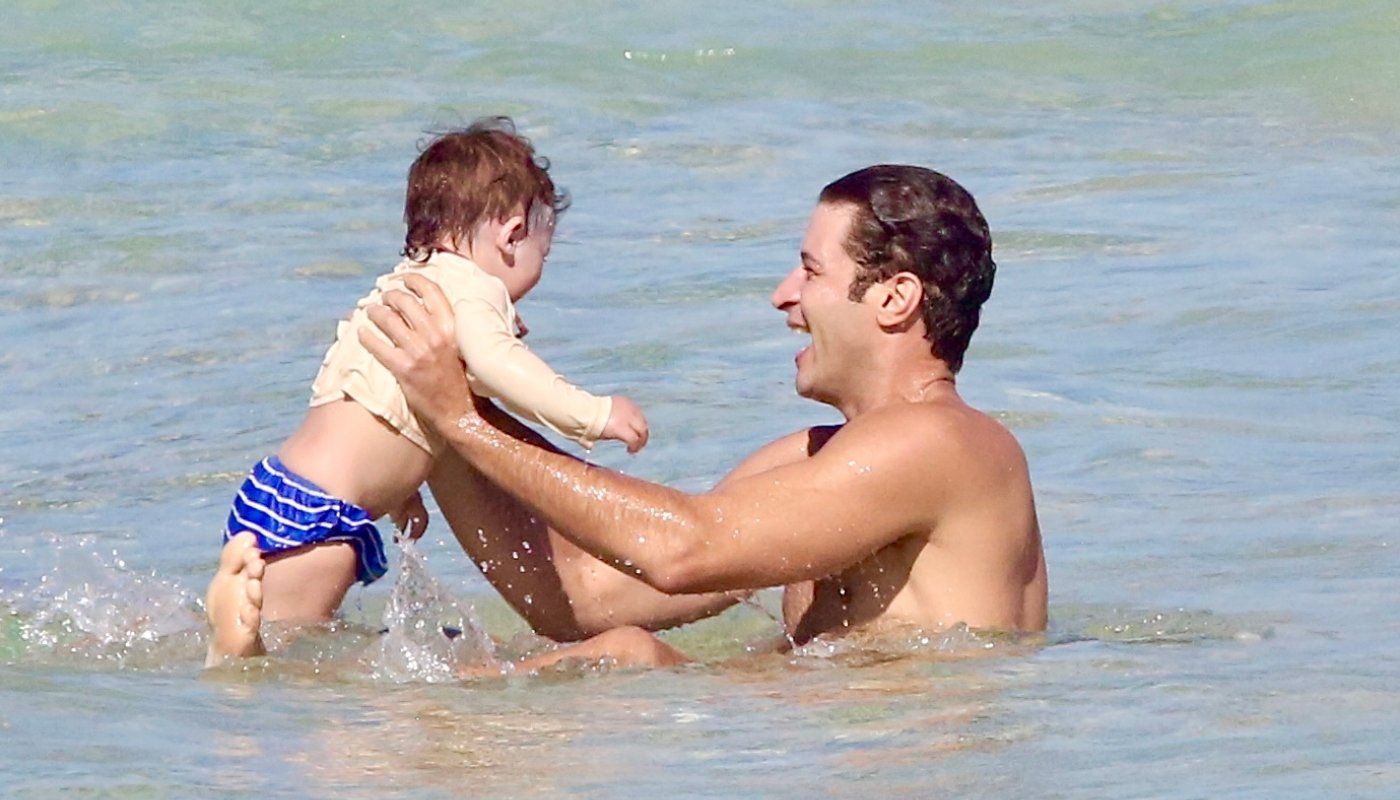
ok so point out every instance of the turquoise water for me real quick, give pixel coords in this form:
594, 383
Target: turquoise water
1197, 214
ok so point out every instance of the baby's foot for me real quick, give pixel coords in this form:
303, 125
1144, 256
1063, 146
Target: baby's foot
234, 602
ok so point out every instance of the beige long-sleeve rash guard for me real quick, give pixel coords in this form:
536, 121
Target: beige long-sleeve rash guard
499, 365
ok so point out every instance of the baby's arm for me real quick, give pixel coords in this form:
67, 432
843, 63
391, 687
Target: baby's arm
502, 367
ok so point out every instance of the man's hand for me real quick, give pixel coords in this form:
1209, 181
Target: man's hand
627, 424
411, 518
420, 351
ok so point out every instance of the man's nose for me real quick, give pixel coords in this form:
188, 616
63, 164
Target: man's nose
786, 294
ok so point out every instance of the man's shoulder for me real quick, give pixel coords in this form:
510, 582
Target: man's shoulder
790, 449
946, 428
946, 458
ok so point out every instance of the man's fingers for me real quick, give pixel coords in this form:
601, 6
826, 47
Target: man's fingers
429, 295
409, 308
392, 326
432, 325
391, 323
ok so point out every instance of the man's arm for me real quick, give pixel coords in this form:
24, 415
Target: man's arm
798, 521
561, 591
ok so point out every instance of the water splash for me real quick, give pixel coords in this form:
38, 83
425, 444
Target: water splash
88, 607
429, 635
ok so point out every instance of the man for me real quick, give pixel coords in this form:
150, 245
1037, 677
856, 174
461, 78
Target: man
918, 510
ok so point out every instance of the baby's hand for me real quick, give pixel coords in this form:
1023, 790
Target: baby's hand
412, 517
627, 424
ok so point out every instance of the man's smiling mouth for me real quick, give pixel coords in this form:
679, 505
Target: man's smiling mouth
800, 330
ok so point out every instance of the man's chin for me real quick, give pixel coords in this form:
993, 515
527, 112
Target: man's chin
803, 388
811, 392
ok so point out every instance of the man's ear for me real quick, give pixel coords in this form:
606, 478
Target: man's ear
899, 301
510, 234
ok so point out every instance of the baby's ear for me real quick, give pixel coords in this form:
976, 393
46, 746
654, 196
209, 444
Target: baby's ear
511, 233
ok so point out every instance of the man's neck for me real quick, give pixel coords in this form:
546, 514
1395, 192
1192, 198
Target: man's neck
923, 380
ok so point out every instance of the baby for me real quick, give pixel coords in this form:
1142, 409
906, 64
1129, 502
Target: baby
480, 212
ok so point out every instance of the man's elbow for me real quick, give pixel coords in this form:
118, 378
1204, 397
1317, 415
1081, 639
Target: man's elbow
681, 573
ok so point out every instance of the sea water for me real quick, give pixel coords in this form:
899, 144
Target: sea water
1196, 208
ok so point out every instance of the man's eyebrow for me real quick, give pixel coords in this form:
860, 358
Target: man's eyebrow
810, 260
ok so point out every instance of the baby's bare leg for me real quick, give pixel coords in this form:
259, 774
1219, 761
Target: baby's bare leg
307, 585
234, 602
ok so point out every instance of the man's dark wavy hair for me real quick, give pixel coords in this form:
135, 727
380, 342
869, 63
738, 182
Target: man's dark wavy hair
912, 219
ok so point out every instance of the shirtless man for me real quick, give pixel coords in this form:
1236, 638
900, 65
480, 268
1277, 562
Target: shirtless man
917, 511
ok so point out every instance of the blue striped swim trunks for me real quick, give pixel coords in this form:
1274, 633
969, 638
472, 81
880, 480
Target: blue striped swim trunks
286, 511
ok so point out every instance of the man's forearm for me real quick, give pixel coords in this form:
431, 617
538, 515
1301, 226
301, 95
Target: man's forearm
640, 528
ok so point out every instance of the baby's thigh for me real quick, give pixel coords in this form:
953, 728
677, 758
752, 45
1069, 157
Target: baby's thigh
308, 584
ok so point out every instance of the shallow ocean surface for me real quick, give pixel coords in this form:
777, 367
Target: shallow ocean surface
1196, 207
